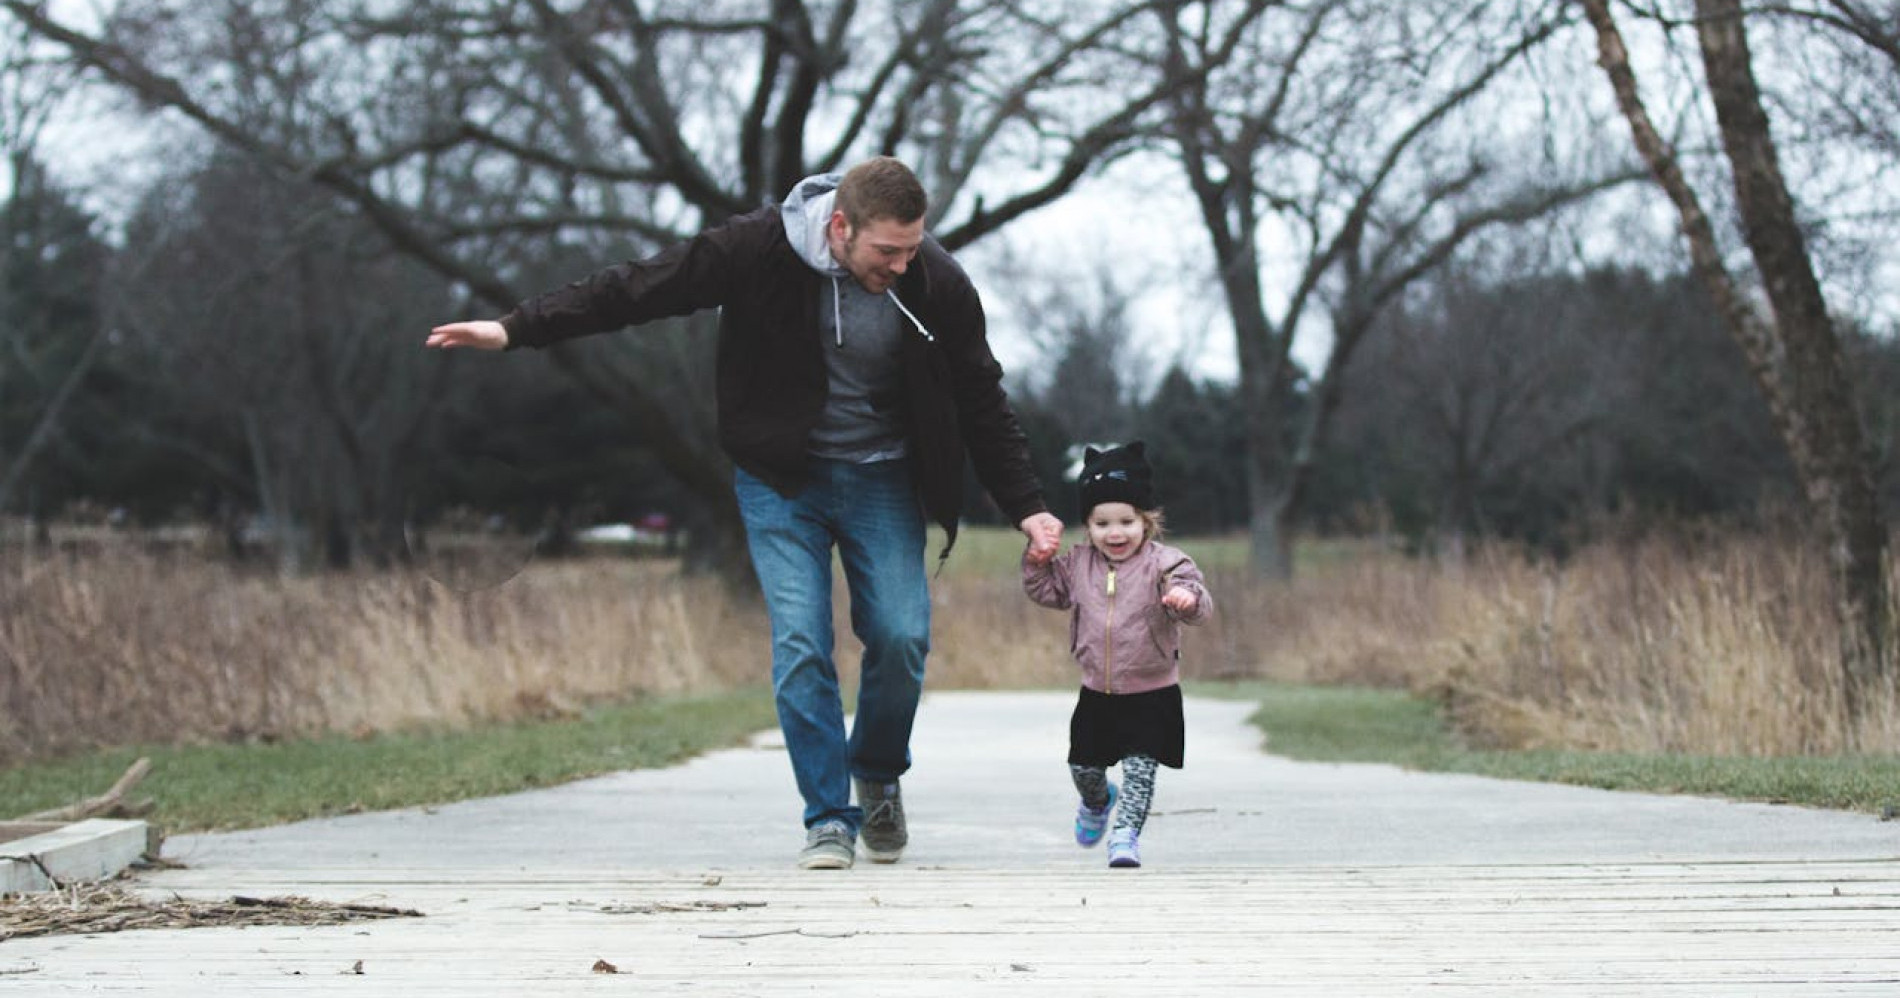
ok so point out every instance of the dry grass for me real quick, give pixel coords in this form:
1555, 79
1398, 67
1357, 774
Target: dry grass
127, 646
985, 634
1716, 645
1697, 645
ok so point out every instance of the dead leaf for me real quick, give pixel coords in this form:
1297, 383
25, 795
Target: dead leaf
603, 967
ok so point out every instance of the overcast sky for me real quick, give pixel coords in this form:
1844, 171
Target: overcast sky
1136, 220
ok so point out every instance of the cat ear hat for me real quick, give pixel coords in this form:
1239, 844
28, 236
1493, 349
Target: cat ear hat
1119, 474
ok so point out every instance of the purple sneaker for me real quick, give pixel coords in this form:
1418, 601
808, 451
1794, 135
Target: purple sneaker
1090, 823
1124, 849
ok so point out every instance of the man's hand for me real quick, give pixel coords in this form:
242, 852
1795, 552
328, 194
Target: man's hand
1045, 536
1179, 600
482, 334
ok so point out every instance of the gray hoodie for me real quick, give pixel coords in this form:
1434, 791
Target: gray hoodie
863, 418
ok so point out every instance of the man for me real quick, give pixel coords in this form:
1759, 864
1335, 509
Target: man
854, 375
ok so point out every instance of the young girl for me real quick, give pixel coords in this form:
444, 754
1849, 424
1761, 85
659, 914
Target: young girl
1127, 594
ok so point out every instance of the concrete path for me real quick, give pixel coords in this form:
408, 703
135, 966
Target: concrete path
1262, 876
990, 789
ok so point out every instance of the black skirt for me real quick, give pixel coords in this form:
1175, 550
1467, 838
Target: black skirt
1107, 728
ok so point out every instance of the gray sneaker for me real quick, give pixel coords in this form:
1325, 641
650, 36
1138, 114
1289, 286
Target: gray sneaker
828, 846
884, 832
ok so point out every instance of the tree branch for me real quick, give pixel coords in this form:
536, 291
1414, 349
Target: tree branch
553, 222
1759, 348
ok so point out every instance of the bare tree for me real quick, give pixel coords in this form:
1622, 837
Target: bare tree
1086, 346
1491, 391
1794, 353
1867, 24
266, 318
1343, 129
475, 135
1830, 73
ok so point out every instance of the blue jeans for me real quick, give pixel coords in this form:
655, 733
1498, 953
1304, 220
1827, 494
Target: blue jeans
871, 514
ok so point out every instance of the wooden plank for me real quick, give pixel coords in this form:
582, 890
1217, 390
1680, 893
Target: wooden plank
1674, 929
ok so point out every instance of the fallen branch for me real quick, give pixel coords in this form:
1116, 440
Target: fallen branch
92, 908
665, 907
777, 932
105, 803
305, 904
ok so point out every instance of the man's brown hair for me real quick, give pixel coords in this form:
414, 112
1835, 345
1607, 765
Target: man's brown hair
880, 187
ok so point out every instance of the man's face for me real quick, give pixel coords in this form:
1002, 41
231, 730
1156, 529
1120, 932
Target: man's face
1116, 529
877, 254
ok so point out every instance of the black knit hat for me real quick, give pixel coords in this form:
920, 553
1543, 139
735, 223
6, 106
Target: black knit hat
1119, 474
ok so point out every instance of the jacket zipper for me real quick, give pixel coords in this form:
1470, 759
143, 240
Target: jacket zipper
1108, 638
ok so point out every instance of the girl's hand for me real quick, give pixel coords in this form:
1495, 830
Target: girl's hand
1179, 600
1045, 537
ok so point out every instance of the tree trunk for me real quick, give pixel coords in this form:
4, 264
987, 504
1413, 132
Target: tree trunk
1796, 360
1269, 532
1350, 326
1269, 506
1828, 443
1263, 392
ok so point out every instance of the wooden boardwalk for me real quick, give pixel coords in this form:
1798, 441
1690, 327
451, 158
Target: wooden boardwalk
1699, 929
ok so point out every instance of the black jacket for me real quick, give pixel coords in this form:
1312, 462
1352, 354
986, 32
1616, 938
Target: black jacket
771, 378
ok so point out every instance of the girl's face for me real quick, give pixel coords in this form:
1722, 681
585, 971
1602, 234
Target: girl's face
1117, 530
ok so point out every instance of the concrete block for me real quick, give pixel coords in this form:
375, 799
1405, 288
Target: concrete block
94, 849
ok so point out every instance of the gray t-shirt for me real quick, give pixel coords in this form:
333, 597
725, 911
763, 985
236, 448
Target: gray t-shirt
863, 420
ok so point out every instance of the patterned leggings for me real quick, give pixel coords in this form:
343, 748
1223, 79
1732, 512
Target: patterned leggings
1138, 789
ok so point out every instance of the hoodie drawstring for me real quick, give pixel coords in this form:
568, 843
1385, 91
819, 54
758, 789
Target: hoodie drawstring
837, 312
913, 319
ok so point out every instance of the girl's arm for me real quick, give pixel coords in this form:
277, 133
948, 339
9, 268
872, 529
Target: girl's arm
1047, 583
1185, 576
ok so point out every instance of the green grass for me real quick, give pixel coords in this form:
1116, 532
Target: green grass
249, 785
1346, 724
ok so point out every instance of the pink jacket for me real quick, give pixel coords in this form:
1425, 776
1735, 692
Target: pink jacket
1123, 637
